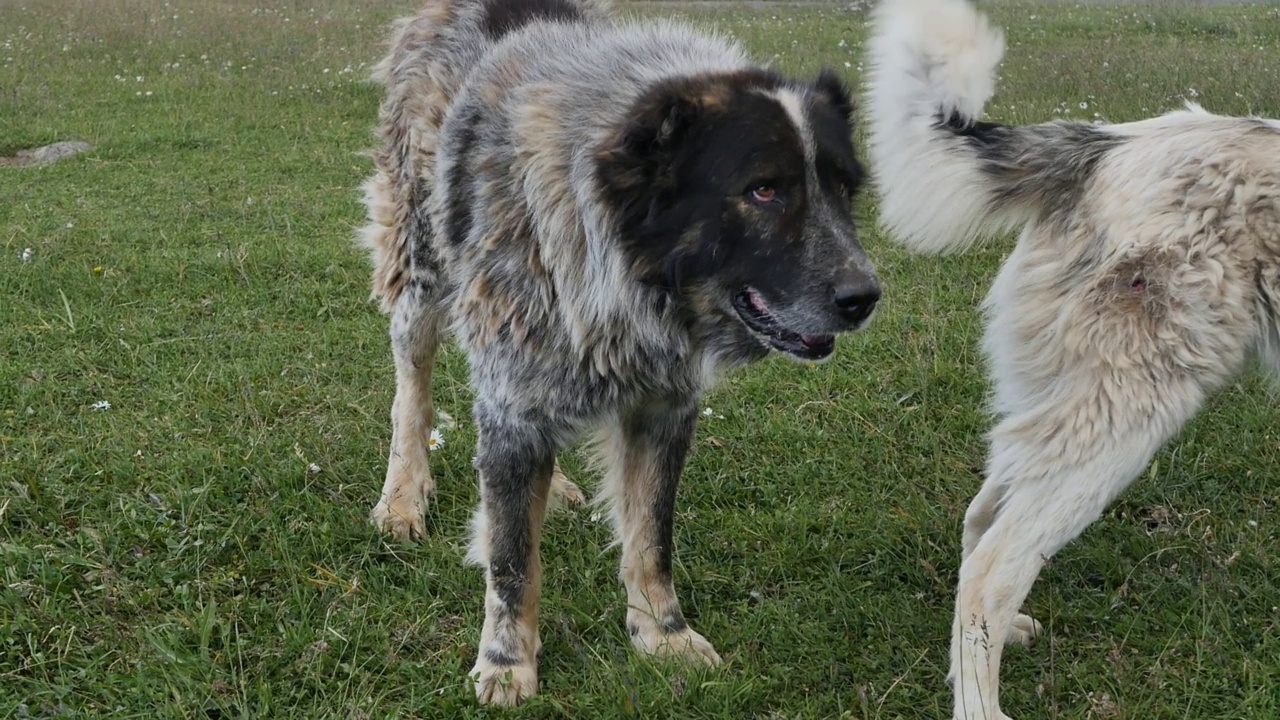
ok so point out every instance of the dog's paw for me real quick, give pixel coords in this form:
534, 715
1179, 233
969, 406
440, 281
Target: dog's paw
1024, 631
563, 491
685, 645
504, 685
403, 503
981, 713
399, 512
984, 715
405, 524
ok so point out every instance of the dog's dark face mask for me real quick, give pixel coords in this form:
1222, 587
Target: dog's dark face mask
735, 193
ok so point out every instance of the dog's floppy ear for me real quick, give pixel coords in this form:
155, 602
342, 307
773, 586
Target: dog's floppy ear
830, 88
641, 153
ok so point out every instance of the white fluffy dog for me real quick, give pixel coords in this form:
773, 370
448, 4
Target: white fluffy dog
1146, 275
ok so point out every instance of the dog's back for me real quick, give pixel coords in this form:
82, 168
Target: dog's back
431, 55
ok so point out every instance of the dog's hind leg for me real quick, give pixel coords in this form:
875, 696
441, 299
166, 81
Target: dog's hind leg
644, 455
515, 462
1052, 471
1025, 630
416, 324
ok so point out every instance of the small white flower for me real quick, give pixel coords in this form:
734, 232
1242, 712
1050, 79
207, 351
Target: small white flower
148, 93
70, 225
313, 468
26, 254
1192, 92
435, 442
708, 412
1084, 106
101, 405
137, 455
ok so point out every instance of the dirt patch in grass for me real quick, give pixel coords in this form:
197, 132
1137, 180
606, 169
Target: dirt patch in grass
45, 154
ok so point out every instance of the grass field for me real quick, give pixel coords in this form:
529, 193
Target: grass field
175, 556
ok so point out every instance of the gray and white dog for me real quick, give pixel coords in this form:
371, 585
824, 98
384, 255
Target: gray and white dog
608, 213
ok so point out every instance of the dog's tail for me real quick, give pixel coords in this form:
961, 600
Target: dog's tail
431, 55
945, 178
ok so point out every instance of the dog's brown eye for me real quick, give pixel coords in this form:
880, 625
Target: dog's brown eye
764, 194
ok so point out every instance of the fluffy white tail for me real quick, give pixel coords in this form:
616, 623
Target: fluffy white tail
933, 68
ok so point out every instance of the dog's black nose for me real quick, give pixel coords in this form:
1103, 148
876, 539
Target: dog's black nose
857, 300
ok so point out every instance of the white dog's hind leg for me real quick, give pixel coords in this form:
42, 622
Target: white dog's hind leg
982, 512
1052, 472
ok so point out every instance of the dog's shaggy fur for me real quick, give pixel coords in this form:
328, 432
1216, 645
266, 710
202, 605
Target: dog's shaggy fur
608, 213
1146, 275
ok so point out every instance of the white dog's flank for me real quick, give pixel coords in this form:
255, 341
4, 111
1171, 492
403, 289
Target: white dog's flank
1145, 276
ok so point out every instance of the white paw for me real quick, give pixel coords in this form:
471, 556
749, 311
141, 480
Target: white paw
1025, 631
685, 645
984, 715
981, 714
504, 685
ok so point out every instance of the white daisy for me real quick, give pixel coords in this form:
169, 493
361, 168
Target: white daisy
435, 442
101, 405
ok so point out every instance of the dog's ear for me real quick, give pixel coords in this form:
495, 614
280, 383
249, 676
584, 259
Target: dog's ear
641, 154
830, 88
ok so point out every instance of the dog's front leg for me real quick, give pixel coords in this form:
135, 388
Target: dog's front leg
645, 454
515, 466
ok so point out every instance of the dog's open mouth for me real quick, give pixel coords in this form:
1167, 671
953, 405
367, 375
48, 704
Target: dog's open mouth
755, 314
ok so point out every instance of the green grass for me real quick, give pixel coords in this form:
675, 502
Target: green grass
173, 557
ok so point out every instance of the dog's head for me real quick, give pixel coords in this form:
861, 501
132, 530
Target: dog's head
733, 192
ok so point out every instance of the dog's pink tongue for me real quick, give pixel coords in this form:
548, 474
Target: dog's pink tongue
758, 303
815, 339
